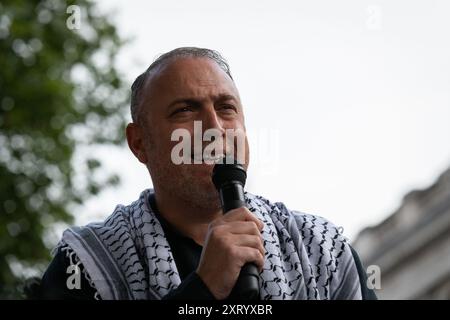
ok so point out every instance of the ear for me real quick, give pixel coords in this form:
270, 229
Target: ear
136, 142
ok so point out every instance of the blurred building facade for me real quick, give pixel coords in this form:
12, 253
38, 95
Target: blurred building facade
412, 246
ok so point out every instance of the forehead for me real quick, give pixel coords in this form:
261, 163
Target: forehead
188, 77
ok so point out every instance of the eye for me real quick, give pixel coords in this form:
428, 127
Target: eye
182, 110
228, 108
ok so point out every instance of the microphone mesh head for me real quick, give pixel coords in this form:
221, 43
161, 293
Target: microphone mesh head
226, 171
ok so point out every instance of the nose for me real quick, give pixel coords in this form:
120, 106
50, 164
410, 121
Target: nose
210, 120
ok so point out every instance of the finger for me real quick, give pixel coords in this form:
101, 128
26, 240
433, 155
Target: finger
242, 227
250, 241
250, 255
242, 214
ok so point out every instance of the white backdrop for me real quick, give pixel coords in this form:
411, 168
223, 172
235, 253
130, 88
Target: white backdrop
354, 95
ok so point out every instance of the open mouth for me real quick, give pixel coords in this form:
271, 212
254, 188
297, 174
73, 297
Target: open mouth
200, 158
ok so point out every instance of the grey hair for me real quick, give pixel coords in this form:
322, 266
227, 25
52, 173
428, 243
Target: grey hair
138, 84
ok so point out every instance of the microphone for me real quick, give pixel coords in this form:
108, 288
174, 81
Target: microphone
229, 178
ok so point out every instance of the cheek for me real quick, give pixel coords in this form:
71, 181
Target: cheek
163, 140
168, 149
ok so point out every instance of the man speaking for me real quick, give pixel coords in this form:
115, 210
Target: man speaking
177, 241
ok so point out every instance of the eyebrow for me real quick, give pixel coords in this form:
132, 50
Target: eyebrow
196, 101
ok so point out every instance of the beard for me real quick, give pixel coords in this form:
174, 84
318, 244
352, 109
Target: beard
190, 183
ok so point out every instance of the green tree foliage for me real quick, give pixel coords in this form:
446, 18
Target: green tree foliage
59, 89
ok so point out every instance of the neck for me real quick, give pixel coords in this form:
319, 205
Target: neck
189, 219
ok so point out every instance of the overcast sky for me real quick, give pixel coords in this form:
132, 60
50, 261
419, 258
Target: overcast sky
347, 102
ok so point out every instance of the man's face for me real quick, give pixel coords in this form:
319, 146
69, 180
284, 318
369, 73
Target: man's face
177, 94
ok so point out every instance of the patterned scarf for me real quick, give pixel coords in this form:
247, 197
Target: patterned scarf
128, 256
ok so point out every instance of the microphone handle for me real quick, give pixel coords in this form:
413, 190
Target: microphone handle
247, 284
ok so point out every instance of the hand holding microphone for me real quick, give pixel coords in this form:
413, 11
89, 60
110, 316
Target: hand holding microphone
233, 253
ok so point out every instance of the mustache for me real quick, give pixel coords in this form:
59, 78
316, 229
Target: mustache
212, 153
190, 150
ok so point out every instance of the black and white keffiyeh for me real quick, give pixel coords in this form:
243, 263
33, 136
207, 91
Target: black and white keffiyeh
128, 256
